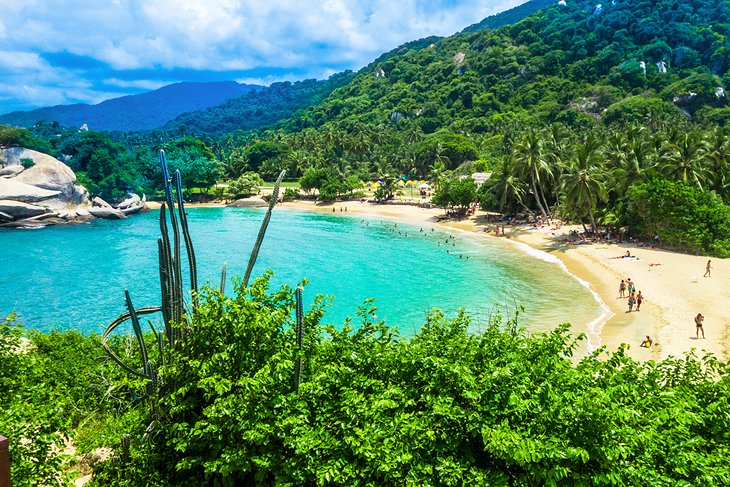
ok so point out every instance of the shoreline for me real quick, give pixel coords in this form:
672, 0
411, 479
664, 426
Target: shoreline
671, 283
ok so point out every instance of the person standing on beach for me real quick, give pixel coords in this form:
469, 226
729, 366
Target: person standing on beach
708, 269
698, 321
630, 285
631, 302
639, 299
622, 289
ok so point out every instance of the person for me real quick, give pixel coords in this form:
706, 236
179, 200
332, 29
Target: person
707, 269
639, 299
698, 321
622, 289
631, 302
647, 342
630, 285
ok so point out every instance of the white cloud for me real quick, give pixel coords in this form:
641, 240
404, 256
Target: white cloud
225, 35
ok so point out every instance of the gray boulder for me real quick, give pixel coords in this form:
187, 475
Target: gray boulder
19, 210
96, 201
132, 200
108, 213
12, 189
11, 171
47, 173
255, 202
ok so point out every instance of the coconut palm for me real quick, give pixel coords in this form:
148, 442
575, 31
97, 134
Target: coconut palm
685, 162
530, 157
583, 182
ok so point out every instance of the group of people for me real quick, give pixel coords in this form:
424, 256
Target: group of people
634, 298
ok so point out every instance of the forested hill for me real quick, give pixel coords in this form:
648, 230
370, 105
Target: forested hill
573, 62
511, 16
135, 112
256, 109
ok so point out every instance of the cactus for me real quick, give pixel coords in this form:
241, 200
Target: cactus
300, 339
171, 286
223, 279
262, 231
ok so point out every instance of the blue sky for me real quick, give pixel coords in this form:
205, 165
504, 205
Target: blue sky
58, 52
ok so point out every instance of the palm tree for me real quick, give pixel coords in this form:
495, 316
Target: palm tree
718, 158
685, 162
530, 157
582, 183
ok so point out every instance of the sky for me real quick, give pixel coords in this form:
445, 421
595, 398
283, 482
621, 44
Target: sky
58, 52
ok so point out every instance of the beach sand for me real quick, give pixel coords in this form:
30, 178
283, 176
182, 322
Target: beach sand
672, 284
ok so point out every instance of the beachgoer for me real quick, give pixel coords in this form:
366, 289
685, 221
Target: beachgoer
631, 302
622, 289
698, 321
707, 269
647, 342
639, 299
629, 285
628, 254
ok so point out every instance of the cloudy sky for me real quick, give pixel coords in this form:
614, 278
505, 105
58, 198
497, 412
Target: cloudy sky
55, 52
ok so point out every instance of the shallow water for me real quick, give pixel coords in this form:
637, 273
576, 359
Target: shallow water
74, 277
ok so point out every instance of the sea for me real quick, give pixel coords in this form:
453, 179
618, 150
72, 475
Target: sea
73, 277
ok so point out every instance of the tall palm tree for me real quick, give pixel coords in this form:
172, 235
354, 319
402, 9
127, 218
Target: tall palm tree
534, 166
686, 160
718, 161
583, 182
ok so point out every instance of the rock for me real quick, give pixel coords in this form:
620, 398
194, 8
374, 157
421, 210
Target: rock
67, 215
108, 213
19, 210
131, 201
255, 202
12, 170
82, 213
100, 202
4, 217
131, 210
47, 173
12, 189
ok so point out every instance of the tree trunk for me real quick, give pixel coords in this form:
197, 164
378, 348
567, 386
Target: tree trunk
537, 197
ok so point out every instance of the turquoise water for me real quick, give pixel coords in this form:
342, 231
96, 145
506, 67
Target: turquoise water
74, 277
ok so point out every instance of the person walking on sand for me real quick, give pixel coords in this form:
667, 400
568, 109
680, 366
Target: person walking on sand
639, 300
631, 302
630, 285
698, 321
708, 269
622, 289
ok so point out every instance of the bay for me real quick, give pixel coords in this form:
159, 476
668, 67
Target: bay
74, 277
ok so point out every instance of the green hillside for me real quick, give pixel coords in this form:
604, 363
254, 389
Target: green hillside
565, 63
511, 16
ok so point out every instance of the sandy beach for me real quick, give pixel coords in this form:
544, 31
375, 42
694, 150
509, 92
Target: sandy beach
672, 284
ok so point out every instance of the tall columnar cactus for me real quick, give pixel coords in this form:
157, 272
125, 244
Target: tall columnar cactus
300, 338
176, 320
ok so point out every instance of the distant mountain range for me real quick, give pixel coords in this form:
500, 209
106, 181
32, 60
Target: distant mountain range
219, 107
136, 112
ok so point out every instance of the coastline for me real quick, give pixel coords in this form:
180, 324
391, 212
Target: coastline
671, 283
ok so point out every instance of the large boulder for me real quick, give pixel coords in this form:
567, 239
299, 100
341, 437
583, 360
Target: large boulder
109, 213
255, 202
46, 172
19, 210
12, 189
11, 171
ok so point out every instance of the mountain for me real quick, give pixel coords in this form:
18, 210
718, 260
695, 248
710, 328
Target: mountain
135, 112
575, 62
258, 108
511, 16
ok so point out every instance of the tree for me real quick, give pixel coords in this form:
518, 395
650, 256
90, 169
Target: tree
583, 181
530, 158
457, 194
245, 185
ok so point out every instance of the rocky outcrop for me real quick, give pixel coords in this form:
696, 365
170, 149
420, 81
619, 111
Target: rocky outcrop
255, 202
37, 190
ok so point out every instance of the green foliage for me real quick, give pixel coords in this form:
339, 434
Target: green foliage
27, 162
245, 185
455, 404
19, 137
456, 194
681, 216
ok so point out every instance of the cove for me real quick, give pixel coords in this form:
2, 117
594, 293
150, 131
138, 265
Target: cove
74, 277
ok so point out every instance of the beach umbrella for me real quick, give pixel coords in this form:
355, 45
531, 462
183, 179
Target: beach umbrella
400, 184
424, 186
